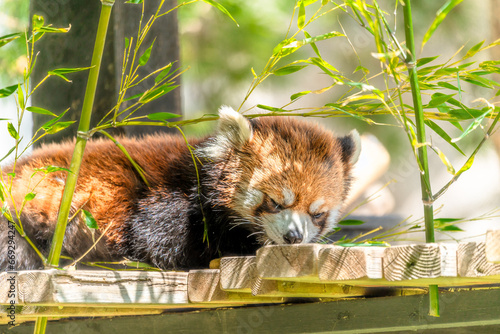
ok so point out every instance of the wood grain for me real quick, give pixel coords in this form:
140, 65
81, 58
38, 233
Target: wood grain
337, 263
493, 246
296, 262
472, 262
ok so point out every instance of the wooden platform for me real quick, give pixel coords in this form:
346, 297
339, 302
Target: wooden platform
276, 275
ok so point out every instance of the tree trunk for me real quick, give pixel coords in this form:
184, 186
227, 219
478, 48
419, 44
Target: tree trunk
74, 49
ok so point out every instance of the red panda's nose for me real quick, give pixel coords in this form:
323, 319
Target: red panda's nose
293, 237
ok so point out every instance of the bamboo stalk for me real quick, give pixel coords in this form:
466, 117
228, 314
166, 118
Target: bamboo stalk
81, 141
422, 149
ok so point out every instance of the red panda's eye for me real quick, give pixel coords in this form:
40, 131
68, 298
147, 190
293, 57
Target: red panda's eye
274, 206
318, 216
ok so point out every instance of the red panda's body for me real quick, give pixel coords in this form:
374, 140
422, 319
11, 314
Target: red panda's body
270, 180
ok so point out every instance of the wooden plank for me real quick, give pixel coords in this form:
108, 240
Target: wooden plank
493, 246
30, 313
60, 287
238, 273
472, 262
204, 287
289, 262
461, 311
337, 264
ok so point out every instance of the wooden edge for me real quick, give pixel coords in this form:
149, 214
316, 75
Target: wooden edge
472, 262
46, 287
204, 287
493, 246
288, 261
338, 264
238, 273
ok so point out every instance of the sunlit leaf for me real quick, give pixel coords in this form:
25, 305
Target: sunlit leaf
51, 169
29, 197
221, 8
8, 153
145, 56
38, 110
473, 125
442, 134
289, 69
134, 1
261, 106
20, 97
450, 228
302, 15
163, 74
440, 16
423, 61
161, 116
348, 222
438, 99
9, 38
12, 131
472, 51
58, 127
7, 91
313, 45
89, 220
157, 92
447, 85
61, 71
444, 160
53, 121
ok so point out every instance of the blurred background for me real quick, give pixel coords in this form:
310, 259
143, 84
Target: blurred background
220, 56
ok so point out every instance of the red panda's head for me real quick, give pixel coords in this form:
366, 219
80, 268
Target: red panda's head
285, 179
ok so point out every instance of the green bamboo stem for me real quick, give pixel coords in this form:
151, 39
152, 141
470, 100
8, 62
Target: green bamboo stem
81, 141
422, 150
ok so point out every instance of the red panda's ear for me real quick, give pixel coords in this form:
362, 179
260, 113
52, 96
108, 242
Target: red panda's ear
234, 127
351, 147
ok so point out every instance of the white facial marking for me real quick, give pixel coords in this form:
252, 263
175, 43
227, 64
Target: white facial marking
288, 197
252, 197
316, 205
333, 216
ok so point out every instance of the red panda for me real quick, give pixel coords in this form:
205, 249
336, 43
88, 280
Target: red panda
270, 180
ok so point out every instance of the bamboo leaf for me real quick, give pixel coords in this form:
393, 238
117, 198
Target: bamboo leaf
61, 71
145, 56
444, 160
29, 197
53, 121
8, 153
89, 220
7, 91
9, 38
161, 116
40, 111
440, 16
350, 222
261, 106
221, 8
134, 1
473, 50
447, 85
473, 125
302, 15
437, 129
438, 99
58, 127
12, 131
20, 97
163, 73
289, 69
313, 45
157, 92
424, 61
